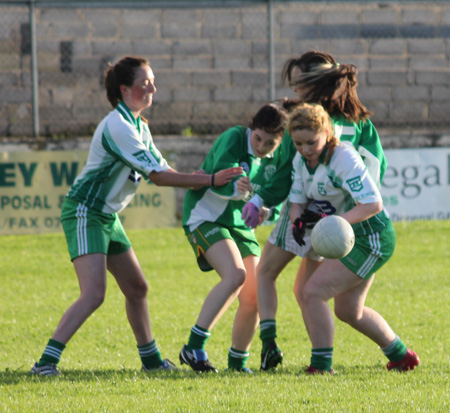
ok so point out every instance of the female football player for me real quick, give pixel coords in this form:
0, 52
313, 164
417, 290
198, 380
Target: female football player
333, 175
221, 240
121, 151
316, 77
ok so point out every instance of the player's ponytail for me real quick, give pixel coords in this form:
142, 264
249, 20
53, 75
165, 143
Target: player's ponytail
327, 82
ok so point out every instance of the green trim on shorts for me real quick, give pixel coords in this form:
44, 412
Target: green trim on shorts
371, 252
89, 231
209, 233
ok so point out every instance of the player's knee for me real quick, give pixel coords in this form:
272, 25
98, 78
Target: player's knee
299, 295
346, 314
237, 279
94, 299
137, 291
266, 272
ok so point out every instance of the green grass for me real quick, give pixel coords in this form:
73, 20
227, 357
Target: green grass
101, 368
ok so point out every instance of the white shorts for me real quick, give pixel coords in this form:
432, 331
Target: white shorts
281, 236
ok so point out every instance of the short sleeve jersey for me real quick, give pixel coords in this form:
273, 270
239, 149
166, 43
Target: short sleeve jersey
121, 152
336, 187
362, 135
224, 205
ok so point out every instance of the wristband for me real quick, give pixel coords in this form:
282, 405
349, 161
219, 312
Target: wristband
212, 180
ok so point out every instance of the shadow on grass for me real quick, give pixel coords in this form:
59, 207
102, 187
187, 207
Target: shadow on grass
11, 377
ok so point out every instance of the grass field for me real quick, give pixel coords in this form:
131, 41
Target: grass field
101, 369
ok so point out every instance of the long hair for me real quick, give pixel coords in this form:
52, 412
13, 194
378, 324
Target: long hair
314, 117
328, 83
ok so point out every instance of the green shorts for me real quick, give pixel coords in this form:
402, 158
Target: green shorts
371, 252
89, 231
209, 233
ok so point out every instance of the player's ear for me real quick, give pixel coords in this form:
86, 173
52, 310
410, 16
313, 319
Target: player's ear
123, 90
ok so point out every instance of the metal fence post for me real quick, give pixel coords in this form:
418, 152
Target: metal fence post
271, 50
34, 71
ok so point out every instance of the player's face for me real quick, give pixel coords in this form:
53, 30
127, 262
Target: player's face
310, 144
264, 143
140, 96
300, 90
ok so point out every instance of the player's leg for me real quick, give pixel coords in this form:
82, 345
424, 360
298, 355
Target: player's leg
273, 260
224, 256
246, 319
305, 270
329, 280
127, 271
91, 273
350, 308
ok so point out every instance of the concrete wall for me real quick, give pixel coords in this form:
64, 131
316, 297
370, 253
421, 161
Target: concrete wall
211, 64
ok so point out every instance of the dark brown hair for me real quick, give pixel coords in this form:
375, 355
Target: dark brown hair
122, 73
328, 83
270, 118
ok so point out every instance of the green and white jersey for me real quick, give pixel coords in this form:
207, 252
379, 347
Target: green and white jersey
337, 187
362, 135
224, 204
121, 151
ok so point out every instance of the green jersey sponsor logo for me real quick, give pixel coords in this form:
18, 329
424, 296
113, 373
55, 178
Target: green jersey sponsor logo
269, 171
141, 156
355, 184
321, 188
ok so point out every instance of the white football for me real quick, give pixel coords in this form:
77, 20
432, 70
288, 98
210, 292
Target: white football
332, 237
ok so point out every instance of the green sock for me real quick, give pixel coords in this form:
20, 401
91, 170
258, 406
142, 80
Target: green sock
237, 358
198, 338
268, 333
396, 350
150, 355
322, 358
52, 353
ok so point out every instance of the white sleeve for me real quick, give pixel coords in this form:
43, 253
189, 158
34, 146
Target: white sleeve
357, 181
122, 140
297, 192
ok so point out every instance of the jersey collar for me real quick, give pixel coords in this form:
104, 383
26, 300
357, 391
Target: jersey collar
126, 113
321, 159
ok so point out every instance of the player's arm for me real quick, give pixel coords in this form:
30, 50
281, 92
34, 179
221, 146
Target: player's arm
194, 180
277, 188
362, 212
369, 146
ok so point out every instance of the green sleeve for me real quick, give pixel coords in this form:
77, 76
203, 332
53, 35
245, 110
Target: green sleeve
371, 141
227, 152
279, 185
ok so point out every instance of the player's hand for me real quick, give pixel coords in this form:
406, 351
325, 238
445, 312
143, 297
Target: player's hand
298, 231
263, 214
243, 185
250, 215
225, 176
311, 218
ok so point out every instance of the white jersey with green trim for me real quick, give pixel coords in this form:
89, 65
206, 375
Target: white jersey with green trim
121, 152
337, 187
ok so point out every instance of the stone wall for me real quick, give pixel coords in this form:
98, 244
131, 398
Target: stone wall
211, 64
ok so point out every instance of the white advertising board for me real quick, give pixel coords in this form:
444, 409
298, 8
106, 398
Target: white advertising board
416, 185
